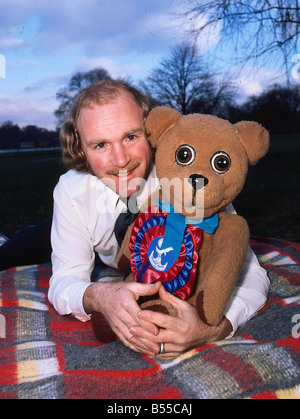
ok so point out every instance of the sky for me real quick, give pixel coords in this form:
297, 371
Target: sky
44, 42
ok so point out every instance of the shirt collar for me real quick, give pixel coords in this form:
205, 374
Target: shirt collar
150, 185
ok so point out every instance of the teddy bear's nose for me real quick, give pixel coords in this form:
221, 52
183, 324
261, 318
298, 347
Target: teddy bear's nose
198, 181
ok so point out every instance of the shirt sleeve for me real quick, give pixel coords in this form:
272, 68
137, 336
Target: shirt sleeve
251, 292
72, 257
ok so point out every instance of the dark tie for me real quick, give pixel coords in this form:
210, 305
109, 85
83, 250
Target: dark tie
123, 222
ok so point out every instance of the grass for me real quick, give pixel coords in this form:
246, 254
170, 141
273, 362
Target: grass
27, 181
269, 200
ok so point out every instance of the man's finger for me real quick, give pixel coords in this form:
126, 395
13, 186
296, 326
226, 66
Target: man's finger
161, 320
144, 289
170, 298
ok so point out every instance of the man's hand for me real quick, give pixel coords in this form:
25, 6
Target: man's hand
180, 333
118, 303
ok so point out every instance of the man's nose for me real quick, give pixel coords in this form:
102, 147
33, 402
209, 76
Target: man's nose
121, 156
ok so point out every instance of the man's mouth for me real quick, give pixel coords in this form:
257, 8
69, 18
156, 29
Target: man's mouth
123, 173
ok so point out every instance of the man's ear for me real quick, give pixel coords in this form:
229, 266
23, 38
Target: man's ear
254, 138
158, 122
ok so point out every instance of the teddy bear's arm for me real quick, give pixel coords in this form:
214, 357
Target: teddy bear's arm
123, 259
227, 255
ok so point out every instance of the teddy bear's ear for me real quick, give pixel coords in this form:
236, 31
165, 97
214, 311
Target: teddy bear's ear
254, 138
158, 122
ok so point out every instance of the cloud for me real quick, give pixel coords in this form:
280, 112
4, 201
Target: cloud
46, 83
183, 28
101, 28
25, 110
10, 43
115, 70
252, 81
33, 104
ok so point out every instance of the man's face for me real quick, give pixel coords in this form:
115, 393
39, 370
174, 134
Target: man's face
114, 142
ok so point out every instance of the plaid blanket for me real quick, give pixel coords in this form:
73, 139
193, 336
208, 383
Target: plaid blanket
44, 355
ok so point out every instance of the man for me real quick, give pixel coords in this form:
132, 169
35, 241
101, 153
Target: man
105, 142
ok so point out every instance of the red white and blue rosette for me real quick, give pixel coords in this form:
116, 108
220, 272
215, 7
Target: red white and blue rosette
151, 261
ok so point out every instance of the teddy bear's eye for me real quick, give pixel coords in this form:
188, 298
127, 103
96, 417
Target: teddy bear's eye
220, 162
185, 155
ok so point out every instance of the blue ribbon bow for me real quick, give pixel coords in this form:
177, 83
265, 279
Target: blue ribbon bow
177, 223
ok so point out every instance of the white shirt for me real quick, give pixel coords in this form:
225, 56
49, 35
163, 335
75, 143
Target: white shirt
85, 212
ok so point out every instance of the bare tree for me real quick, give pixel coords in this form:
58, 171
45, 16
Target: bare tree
266, 29
183, 83
77, 82
178, 80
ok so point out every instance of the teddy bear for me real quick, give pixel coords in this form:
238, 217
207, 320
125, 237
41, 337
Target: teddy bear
184, 235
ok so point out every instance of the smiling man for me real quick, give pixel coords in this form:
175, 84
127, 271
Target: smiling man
106, 148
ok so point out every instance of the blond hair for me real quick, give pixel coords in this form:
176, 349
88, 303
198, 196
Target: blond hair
100, 93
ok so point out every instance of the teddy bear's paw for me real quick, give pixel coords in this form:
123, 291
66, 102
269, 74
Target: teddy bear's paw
207, 312
160, 306
102, 329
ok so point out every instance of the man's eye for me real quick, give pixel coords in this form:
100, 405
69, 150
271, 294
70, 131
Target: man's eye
131, 137
100, 145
